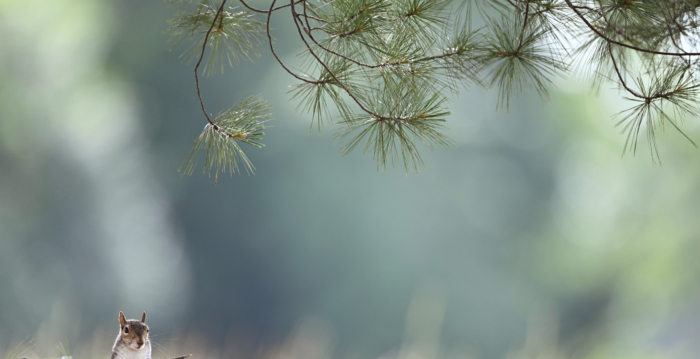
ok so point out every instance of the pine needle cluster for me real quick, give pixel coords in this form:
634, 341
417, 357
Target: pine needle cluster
390, 67
220, 139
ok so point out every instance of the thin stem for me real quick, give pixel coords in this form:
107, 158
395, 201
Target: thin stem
590, 26
265, 11
196, 80
272, 48
307, 17
634, 93
514, 4
308, 28
619, 75
201, 56
589, 9
522, 32
311, 16
301, 34
670, 32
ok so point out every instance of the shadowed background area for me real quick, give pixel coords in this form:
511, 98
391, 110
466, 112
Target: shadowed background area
530, 238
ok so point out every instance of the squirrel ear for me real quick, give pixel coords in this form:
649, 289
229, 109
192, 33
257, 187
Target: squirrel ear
122, 320
143, 319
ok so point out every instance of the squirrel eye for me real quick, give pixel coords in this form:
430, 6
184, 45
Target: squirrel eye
126, 330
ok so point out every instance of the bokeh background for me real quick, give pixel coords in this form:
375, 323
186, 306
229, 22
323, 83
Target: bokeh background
531, 238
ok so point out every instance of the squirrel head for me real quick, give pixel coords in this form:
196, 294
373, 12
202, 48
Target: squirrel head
134, 333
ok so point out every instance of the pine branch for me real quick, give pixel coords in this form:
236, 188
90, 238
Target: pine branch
245, 123
388, 66
636, 48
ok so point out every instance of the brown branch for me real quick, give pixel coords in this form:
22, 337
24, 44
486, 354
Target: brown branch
349, 18
670, 32
272, 48
647, 99
265, 11
308, 29
199, 94
308, 47
383, 64
306, 19
668, 27
311, 16
609, 40
514, 4
320, 29
196, 76
589, 9
619, 75
522, 32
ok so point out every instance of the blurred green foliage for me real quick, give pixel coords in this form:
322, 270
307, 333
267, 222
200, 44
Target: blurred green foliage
531, 238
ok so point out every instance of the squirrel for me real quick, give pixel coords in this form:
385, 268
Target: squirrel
132, 341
